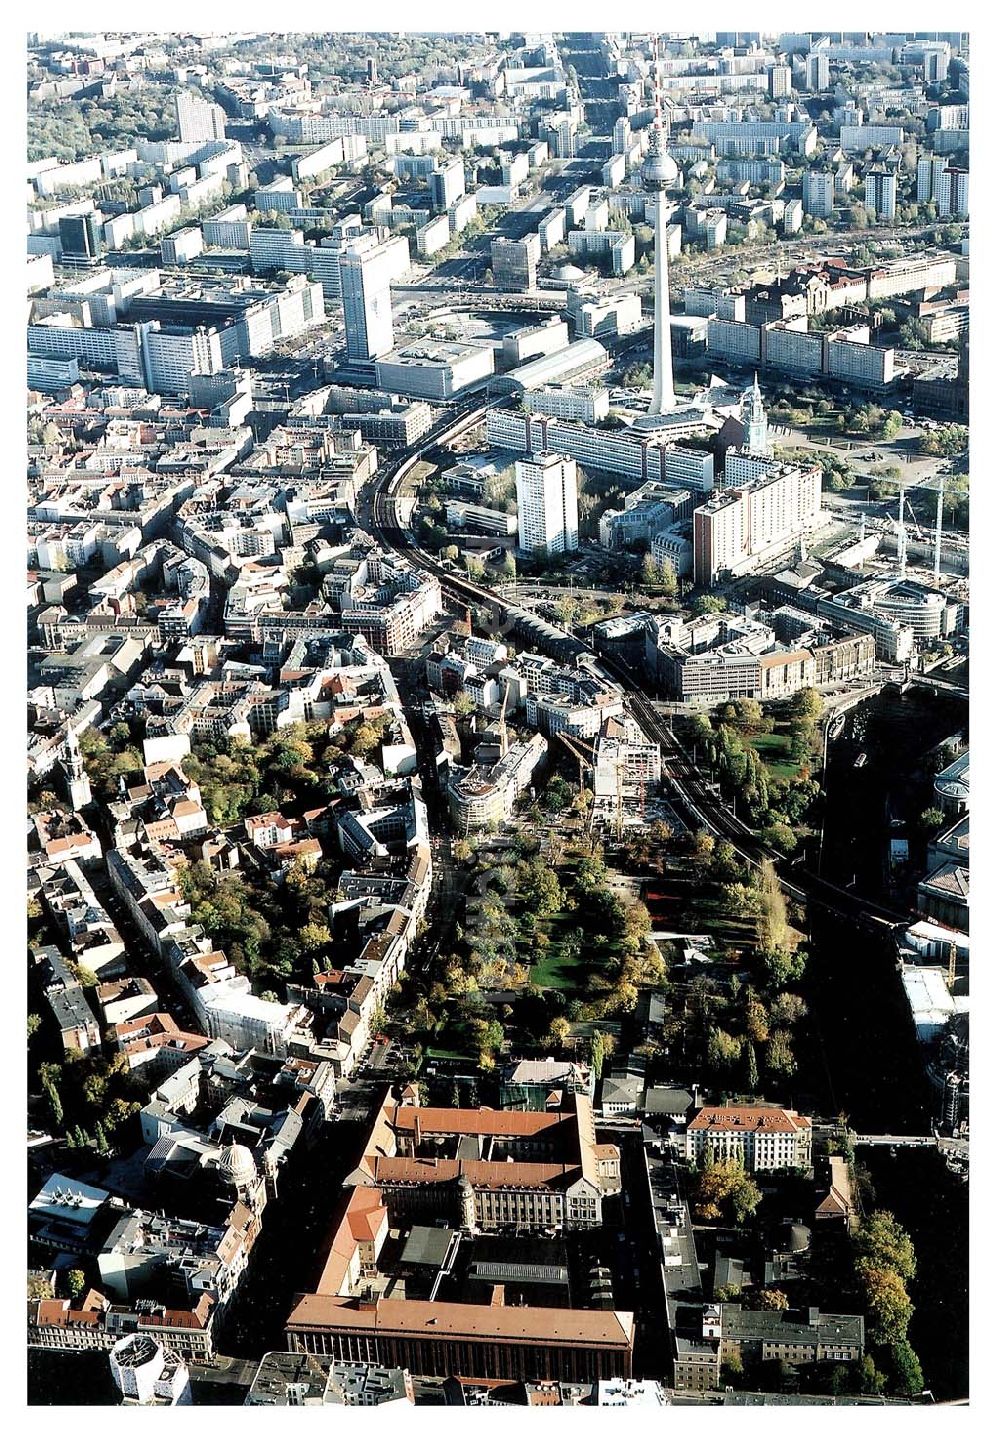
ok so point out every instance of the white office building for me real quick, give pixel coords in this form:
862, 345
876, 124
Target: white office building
547, 517
365, 276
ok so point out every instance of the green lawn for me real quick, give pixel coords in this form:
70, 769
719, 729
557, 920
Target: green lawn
773, 749
555, 972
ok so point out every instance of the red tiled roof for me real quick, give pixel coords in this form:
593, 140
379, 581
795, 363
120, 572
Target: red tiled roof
765, 1119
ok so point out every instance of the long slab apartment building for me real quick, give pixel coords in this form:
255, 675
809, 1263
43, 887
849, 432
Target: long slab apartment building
786, 345
768, 328
635, 455
757, 516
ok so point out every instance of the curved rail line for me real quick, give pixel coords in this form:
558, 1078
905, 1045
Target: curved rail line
688, 784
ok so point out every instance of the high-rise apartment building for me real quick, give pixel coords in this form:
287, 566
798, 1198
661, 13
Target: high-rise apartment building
779, 82
367, 268
939, 181
447, 185
742, 528
515, 262
547, 516
817, 193
199, 121
880, 195
929, 171
817, 70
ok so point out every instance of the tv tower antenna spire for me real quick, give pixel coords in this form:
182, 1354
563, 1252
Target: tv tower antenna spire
658, 173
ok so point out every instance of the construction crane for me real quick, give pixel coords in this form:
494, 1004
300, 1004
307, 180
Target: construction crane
916, 521
584, 757
937, 529
901, 532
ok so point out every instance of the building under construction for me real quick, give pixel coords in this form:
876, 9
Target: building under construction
623, 767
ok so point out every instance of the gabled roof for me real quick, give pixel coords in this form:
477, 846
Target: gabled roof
750, 1119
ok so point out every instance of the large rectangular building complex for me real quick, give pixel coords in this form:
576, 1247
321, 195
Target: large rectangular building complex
486, 1203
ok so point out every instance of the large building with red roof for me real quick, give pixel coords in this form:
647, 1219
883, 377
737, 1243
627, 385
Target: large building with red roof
766, 1137
461, 1249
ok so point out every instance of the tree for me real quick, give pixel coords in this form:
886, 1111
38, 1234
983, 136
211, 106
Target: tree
870, 1378
76, 1283
34, 1021
753, 1079
745, 714
773, 908
745, 1199
559, 1030
787, 1008
778, 1057
731, 1370
889, 1306
602, 1043
807, 704
724, 1187
463, 704
905, 1373
558, 795
55, 1102
780, 837
708, 603
930, 820
314, 935
755, 1015
881, 1240
365, 739
728, 1294
771, 1299
659, 574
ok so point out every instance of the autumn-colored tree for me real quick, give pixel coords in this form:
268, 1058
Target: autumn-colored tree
755, 1017
313, 936
725, 1189
889, 1306
723, 1049
881, 1240
559, 1031
778, 1056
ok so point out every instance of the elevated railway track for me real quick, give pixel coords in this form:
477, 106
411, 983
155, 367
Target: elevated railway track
697, 802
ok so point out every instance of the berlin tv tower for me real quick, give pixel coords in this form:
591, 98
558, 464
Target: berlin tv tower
659, 173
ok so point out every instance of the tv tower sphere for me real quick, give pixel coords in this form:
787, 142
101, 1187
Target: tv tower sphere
658, 171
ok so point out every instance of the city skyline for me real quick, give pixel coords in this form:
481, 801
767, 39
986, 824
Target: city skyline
498, 639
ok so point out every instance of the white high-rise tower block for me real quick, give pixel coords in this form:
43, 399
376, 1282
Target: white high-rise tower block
659, 172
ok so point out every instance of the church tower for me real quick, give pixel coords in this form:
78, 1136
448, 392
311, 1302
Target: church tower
75, 774
754, 419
